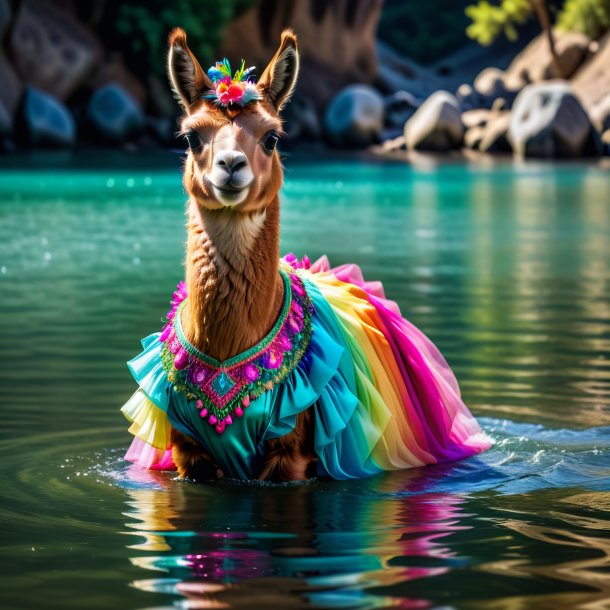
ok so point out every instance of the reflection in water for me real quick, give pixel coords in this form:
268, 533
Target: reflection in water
330, 544
399, 540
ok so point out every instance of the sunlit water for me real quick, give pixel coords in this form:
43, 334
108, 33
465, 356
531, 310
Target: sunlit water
506, 268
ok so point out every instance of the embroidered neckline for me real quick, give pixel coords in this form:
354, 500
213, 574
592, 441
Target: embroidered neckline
220, 390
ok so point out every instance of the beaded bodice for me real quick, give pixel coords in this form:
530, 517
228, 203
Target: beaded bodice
222, 390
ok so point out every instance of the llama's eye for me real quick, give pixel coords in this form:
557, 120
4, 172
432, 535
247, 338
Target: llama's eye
269, 141
194, 140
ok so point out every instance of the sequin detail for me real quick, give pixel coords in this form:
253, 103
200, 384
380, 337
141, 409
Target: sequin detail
221, 390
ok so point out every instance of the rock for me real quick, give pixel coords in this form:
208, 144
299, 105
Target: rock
535, 63
468, 98
337, 38
399, 108
45, 122
476, 118
473, 137
495, 136
114, 71
114, 115
436, 125
592, 81
5, 17
50, 49
600, 114
490, 83
301, 120
548, 121
354, 117
393, 144
499, 104
398, 73
11, 90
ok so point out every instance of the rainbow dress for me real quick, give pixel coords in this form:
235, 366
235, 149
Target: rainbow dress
383, 397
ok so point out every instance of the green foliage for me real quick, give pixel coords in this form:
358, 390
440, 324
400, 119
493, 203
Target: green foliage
489, 21
145, 24
591, 17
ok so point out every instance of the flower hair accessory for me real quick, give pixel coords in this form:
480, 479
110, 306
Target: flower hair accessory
240, 89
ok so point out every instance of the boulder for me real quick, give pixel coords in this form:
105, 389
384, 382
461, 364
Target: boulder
5, 17
354, 117
50, 49
436, 125
495, 136
44, 122
335, 38
600, 114
535, 63
114, 115
592, 81
114, 70
548, 121
11, 90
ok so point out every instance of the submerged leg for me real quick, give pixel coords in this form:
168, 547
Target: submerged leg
291, 457
191, 460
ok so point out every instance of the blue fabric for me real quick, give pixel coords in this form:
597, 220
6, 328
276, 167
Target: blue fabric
324, 378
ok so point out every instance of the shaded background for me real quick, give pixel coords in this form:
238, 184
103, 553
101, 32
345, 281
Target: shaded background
93, 73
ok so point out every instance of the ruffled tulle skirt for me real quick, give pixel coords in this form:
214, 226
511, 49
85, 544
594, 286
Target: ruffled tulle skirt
383, 396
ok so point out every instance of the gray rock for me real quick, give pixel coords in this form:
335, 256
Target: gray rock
436, 125
548, 121
6, 123
50, 49
354, 117
114, 115
45, 122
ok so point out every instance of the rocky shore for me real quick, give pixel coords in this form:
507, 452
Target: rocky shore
63, 88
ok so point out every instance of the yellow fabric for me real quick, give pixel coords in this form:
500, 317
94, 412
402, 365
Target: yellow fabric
149, 423
380, 383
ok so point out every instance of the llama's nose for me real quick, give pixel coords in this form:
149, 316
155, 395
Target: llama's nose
230, 161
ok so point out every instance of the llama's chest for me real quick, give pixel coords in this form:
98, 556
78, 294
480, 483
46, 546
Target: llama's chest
227, 406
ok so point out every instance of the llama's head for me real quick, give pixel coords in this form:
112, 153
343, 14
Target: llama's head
232, 161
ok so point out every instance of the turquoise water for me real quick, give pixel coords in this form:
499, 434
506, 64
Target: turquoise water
506, 268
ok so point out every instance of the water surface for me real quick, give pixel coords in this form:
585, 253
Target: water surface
506, 268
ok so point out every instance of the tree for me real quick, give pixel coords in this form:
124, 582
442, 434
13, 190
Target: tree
590, 17
489, 21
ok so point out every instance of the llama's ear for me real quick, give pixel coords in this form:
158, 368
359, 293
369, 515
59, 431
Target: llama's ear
280, 76
186, 76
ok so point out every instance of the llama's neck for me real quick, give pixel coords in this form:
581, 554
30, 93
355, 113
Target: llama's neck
234, 289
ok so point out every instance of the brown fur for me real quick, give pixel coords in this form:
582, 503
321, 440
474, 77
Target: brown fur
232, 253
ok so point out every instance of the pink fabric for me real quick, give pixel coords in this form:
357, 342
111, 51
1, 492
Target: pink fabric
451, 432
147, 456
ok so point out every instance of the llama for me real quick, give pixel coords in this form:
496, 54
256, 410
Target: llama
271, 368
